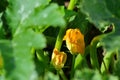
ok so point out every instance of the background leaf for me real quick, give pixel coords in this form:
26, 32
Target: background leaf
113, 37
45, 18
16, 65
51, 76
79, 22
6, 50
2, 33
101, 14
87, 74
25, 13
113, 7
96, 12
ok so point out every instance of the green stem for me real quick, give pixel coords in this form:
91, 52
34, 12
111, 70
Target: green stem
106, 62
93, 55
62, 30
93, 52
60, 38
71, 4
62, 74
72, 68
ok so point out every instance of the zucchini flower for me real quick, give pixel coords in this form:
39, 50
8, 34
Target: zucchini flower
75, 41
58, 59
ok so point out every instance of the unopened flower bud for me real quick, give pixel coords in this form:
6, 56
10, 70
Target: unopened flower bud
58, 59
75, 41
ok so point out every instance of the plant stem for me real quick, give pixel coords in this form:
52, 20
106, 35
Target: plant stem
93, 52
62, 74
60, 38
72, 68
62, 30
71, 4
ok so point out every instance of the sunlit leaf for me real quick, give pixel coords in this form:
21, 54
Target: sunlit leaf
17, 55
27, 13
44, 17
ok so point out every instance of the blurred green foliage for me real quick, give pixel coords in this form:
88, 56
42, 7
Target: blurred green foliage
28, 32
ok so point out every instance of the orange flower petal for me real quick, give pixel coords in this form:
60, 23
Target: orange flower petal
58, 59
75, 41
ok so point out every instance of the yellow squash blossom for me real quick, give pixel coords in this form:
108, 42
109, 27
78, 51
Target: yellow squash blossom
75, 41
58, 59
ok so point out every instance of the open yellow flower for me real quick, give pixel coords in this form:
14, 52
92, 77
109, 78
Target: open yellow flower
75, 41
58, 59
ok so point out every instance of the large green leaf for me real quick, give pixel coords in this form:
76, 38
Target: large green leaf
48, 16
18, 57
7, 53
102, 13
22, 43
19, 10
27, 13
113, 37
113, 6
97, 12
29, 38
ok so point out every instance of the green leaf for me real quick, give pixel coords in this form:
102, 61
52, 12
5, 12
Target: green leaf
113, 37
27, 13
2, 33
22, 44
7, 54
0, 20
96, 12
87, 74
3, 5
113, 7
51, 15
117, 66
101, 14
29, 38
17, 55
79, 22
41, 61
69, 14
51, 76
18, 11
